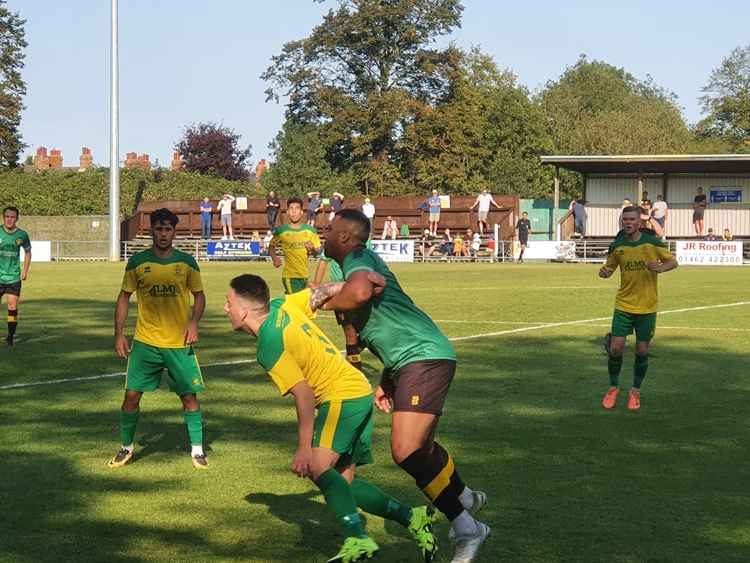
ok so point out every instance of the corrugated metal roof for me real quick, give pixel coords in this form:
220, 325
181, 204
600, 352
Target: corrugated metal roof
653, 163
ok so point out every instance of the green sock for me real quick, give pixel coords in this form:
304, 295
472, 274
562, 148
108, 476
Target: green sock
371, 499
639, 370
340, 500
194, 422
614, 365
128, 421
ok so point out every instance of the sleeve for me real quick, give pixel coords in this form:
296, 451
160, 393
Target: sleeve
276, 238
301, 301
362, 262
194, 280
130, 279
612, 261
286, 373
663, 253
26, 242
314, 239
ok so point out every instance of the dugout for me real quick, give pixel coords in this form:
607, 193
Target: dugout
607, 180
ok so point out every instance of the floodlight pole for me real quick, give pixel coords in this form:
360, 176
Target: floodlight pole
114, 134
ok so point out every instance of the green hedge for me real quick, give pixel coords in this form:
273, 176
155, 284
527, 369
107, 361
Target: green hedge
87, 193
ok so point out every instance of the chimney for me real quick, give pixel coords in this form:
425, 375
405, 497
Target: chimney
86, 159
55, 159
177, 162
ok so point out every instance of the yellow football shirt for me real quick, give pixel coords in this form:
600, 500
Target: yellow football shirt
292, 243
291, 348
164, 287
638, 285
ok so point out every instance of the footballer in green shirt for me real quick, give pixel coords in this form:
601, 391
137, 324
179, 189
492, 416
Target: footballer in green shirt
12, 240
419, 364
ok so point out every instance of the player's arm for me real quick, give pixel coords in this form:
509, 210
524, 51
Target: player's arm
199, 306
304, 400
358, 289
476, 202
666, 261
26, 262
609, 266
122, 348
272, 252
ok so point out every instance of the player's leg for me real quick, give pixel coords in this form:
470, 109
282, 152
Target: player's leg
143, 374
418, 402
644, 331
622, 326
12, 318
337, 428
186, 380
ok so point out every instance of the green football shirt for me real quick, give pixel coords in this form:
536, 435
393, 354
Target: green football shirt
10, 254
391, 325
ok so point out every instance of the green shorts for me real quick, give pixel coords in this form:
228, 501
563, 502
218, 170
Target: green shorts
147, 363
644, 325
346, 428
293, 285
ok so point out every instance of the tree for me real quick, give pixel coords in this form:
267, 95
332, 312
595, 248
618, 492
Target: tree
727, 101
596, 108
359, 75
12, 86
214, 150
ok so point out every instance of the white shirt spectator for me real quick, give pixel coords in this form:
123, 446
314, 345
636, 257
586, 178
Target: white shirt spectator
390, 228
225, 205
368, 209
660, 209
476, 242
484, 201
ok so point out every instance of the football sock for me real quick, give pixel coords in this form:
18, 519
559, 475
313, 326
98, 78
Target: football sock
467, 498
194, 422
520, 256
196, 450
436, 475
128, 421
371, 499
12, 321
339, 499
614, 365
129, 447
464, 524
639, 369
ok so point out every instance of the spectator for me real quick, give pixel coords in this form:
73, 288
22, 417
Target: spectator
661, 212
699, 208
433, 205
710, 235
206, 209
337, 202
644, 198
404, 230
225, 208
727, 235
255, 237
625, 203
647, 220
272, 208
369, 210
266, 241
484, 200
459, 248
390, 229
579, 215
314, 205
428, 243
446, 247
476, 242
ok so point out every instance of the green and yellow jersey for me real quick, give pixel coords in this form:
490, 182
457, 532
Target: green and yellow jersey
164, 287
291, 348
11, 244
638, 285
292, 242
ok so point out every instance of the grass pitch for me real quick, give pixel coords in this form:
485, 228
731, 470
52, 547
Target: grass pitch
566, 480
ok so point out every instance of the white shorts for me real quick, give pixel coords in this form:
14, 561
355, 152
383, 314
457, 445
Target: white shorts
483, 216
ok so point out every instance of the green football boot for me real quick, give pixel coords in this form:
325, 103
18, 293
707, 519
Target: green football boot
355, 549
420, 529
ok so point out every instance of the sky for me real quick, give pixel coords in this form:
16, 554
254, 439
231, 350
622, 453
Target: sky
190, 61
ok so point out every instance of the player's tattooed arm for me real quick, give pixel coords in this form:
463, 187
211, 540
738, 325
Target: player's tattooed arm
321, 294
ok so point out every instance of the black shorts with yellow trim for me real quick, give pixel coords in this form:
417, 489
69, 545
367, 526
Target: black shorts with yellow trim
345, 427
423, 386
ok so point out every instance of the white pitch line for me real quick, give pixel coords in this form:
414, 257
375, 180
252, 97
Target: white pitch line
109, 375
454, 339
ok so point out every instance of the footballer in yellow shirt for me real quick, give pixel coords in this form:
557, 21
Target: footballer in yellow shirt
302, 361
297, 240
166, 281
641, 257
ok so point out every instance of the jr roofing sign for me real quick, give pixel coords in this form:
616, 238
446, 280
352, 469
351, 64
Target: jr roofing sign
709, 252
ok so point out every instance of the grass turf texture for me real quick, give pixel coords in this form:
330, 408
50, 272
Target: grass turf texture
567, 481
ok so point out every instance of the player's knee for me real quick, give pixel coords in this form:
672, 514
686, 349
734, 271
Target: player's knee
131, 401
190, 402
641, 349
401, 450
616, 348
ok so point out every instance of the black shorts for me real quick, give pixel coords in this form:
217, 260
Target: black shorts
698, 214
523, 239
423, 386
11, 288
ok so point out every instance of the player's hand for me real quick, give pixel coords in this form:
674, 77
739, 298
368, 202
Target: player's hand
122, 347
191, 333
604, 272
383, 399
302, 462
24, 275
654, 266
378, 283
276, 262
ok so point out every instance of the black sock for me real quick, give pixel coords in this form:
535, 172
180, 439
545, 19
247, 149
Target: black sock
520, 256
436, 475
12, 321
